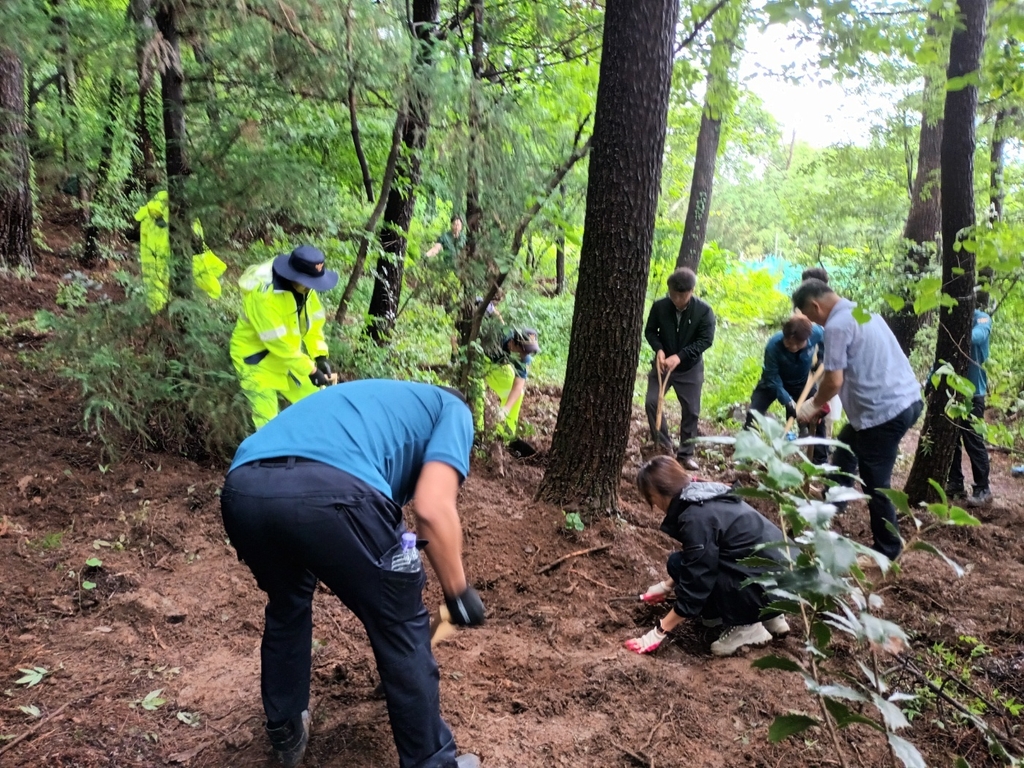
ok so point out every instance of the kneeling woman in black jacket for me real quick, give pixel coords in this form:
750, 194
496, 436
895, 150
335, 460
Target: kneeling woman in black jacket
717, 530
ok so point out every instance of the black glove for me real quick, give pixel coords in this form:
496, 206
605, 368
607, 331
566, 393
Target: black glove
467, 609
318, 378
323, 366
790, 410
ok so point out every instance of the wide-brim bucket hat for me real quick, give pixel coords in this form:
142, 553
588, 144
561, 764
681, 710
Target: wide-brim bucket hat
305, 266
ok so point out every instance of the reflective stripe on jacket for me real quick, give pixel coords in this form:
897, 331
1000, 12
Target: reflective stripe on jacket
272, 333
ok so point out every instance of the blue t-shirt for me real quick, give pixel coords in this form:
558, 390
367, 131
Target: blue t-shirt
379, 431
979, 351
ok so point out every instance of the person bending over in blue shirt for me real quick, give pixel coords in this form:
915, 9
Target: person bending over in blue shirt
788, 357
318, 493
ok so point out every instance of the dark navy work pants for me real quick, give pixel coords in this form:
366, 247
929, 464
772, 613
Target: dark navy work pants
294, 522
873, 452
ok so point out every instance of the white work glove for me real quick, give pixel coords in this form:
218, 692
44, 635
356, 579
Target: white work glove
657, 593
502, 415
647, 643
807, 411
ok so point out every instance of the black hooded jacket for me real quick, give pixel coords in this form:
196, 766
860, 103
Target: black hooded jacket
717, 530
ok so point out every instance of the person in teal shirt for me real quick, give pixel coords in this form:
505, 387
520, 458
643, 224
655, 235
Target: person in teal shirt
973, 443
317, 494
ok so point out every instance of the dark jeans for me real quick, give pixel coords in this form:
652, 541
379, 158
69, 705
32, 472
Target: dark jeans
974, 444
761, 400
687, 386
733, 604
296, 522
874, 453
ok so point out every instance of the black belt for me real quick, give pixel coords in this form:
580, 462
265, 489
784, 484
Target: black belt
280, 461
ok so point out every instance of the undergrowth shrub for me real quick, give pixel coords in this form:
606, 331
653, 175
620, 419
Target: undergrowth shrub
166, 382
824, 587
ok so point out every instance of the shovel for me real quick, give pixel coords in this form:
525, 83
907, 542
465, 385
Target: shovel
441, 626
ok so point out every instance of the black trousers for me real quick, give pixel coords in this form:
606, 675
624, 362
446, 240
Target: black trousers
974, 444
687, 386
294, 522
874, 452
728, 601
761, 400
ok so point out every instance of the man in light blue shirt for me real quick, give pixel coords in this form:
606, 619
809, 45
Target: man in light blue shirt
865, 365
317, 494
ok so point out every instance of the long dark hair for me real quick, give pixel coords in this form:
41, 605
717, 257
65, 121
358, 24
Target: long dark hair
663, 476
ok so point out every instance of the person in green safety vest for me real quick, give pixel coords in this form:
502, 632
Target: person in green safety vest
510, 360
155, 255
278, 345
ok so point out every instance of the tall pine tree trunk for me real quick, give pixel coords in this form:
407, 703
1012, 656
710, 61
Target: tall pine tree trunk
592, 431
717, 99
172, 91
15, 183
939, 433
145, 172
91, 252
387, 285
923, 221
997, 160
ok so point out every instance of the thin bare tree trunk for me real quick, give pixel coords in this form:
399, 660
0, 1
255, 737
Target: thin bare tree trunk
924, 219
387, 286
716, 101
939, 433
15, 169
172, 89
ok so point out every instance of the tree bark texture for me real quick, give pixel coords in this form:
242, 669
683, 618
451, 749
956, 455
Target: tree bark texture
939, 433
589, 444
91, 252
371, 223
474, 211
145, 173
716, 101
387, 285
997, 160
15, 185
172, 90
923, 222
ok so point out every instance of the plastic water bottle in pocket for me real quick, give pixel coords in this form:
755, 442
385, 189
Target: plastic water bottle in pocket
408, 559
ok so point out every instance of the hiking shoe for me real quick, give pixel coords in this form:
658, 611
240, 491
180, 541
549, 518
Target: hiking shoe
980, 498
955, 492
712, 622
777, 626
467, 761
290, 746
689, 463
738, 637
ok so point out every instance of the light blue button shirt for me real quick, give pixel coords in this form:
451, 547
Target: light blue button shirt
878, 382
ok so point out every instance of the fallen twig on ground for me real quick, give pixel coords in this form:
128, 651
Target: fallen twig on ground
578, 553
14, 742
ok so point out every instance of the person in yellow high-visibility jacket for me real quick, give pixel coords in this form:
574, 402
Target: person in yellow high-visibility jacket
278, 345
155, 255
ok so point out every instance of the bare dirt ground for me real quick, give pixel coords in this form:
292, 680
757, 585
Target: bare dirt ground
545, 683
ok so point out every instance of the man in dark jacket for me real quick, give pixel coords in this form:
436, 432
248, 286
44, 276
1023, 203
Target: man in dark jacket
680, 328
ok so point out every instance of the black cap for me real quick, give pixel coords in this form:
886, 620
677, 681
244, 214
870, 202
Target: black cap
305, 266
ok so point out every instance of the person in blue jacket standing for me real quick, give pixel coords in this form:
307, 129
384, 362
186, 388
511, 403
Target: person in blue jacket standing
972, 442
317, 494
788, 358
